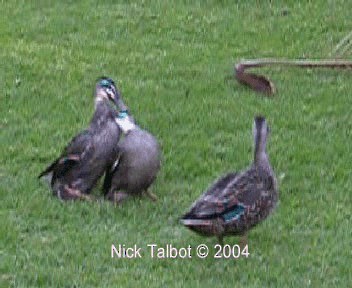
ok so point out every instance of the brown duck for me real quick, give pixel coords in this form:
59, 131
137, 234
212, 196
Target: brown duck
237, 202
90, 153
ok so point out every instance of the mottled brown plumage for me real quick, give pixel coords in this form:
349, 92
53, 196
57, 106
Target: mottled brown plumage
91, 152
237, 202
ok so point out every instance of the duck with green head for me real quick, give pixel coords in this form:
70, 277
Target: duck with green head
90, 153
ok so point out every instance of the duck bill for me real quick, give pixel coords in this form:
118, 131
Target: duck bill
120, 104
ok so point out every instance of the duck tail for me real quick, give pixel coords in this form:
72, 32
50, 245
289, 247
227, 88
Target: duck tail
189, 219
196, 222
48, 169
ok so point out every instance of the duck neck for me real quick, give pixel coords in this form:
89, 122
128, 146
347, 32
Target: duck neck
103, 111
260, 156
125, 122
121, 105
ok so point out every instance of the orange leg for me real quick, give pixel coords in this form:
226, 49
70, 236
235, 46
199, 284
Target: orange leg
151, 195
116, 197
243, 241
221, 240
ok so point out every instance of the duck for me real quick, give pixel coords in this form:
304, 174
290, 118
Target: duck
137, 163
237, 201
91, 152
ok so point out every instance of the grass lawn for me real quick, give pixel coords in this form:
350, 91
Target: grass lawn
172, 61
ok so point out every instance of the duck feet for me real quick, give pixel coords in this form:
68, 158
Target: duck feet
221, 241
68, 193
151, 195
243, 241
116, 198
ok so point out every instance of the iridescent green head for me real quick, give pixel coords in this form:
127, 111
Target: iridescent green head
106, 91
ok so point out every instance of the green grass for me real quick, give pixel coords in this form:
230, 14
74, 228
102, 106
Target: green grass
171, 61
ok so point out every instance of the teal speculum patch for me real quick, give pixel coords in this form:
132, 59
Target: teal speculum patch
234, 214
122, 114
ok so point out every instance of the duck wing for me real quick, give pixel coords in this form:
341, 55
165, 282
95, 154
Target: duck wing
215, 200
220, 184
79, 148
231, 196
